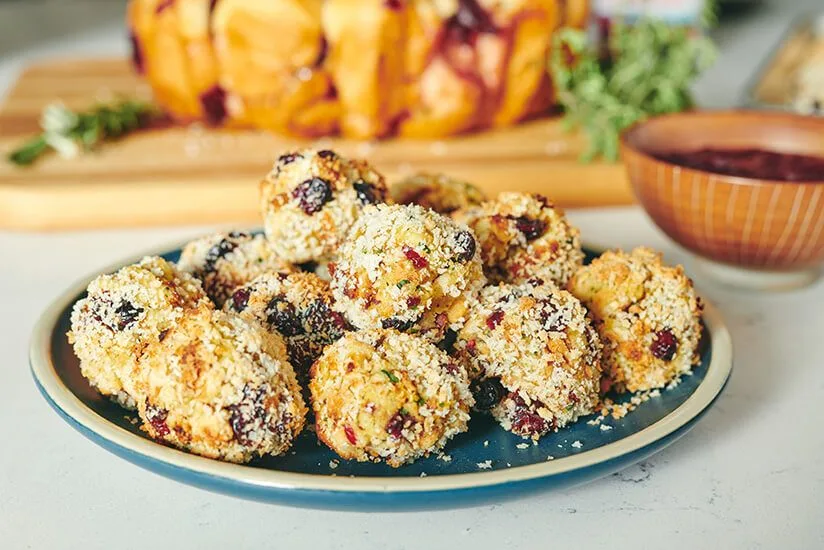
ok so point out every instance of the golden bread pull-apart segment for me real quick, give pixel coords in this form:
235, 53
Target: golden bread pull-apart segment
361, 68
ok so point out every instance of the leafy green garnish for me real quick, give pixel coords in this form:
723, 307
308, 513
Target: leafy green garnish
392, 378
421, 401
70, 133
647, 71
400, 284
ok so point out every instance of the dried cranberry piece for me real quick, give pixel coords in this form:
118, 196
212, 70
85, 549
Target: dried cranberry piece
418, 261
282, 315
322, 52
452, 368
487, 392
127, 314
396, 424
395, 5
217, 252
530, 227
248, 416
288, 158
157, 418
163, 5
323, 321
397, 324
327, 154
413, 301
240, 299
550, 318
312, 194
495, 319
213, 102
471, 347
470, 20
137, 53
350, 435
665, 345
366, 192
525, 420
464, 246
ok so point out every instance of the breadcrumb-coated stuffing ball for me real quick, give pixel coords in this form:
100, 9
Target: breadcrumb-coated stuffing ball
382, 395
535, 355
225, 261
125, 312
221, 387
298, 306
408, 268
311, 199
647, 314
438, 192
522, 236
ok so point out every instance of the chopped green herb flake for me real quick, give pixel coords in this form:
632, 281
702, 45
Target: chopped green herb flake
392, 378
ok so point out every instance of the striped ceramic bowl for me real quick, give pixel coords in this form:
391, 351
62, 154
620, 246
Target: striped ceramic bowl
767, 227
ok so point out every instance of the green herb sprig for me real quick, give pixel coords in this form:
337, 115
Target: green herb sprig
71, 133
647, 71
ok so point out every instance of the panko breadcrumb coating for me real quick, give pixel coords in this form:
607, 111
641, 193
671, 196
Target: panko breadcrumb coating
382, 395
221, 387
225, 261
537, 352
311, 199
124, 313
408, 268
298, 306
524, 236
438, 192
647, 314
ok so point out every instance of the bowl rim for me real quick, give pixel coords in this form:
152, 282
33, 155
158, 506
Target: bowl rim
45, 373
627, 134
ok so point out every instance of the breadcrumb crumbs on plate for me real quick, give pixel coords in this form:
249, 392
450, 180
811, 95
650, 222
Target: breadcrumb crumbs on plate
486, 443
577, 444
550, 457
522, 445
605, 428
485, 465
445, 458
333, 464
423, 474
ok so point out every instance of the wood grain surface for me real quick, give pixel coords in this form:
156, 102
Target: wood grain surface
183, 175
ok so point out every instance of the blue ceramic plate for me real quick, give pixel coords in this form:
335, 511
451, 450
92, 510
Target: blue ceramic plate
485, 464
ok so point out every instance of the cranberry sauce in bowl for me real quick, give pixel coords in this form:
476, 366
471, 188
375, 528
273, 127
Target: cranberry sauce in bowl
749, 163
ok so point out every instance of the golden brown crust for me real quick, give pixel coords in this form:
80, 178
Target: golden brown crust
408, 268
524, 236
310, 200
538, 341
647, 314
381, 395
438, 192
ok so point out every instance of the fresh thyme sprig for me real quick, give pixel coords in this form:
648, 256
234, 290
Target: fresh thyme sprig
70, 133
648, 70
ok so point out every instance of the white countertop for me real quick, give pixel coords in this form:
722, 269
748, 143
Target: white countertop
749, 475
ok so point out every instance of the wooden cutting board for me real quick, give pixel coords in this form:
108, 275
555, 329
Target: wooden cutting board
194, 175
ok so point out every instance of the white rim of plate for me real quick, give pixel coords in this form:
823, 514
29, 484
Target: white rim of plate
45, 372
